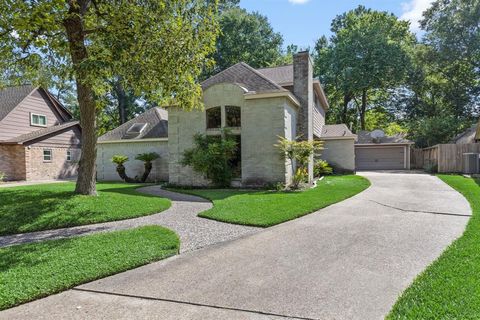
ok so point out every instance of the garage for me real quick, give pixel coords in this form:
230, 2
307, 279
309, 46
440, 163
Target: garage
376, 151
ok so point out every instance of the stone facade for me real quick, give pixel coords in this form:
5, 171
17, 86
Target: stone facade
340, 154
12, 162
58, 168
262, 122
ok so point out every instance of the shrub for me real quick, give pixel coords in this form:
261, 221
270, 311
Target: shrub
3, 176
430, 167
299, 151
322, 168
211, 157
119, 159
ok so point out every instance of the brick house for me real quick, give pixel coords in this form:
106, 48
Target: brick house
38, 139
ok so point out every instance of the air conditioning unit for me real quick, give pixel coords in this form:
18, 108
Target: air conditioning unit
471, 163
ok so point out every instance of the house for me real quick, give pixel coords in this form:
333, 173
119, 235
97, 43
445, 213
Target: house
376, 151
257, 106
471, 135
38, 139
146, 133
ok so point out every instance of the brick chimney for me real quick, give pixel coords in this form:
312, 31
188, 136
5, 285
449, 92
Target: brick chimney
303, 90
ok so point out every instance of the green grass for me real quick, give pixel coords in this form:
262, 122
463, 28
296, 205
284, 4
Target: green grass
267, 208
450, 287
32, 271
53, 206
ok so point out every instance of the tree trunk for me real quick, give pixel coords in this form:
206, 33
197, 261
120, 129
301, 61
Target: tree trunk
148, 168
122, 102
346, 99
74, 28
363, 109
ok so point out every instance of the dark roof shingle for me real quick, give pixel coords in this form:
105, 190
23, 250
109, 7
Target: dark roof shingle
156, 120
10, 97
364, 137
245, 76
335, 131
280, 75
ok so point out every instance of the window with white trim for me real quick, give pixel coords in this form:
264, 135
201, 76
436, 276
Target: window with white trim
69, 155
39, 120
47, 155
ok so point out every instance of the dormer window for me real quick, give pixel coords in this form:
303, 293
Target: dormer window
38, 120
233, 117
134, 131
214, 118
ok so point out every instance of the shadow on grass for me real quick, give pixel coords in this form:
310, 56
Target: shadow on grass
28, 209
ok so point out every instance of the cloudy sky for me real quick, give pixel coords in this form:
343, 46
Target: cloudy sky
303, 21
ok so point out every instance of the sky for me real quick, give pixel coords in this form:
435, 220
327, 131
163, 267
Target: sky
301, 22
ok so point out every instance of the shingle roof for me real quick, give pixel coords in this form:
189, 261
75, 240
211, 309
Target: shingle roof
336, 130
40, 133
364, 137
245, 76
157, 126
279, 75
467, 136
10, 97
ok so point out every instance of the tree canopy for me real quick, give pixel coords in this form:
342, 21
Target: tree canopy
155, 47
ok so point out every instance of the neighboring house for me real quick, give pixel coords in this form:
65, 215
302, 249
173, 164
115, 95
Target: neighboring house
38, 139
258, 106
376, 151
146, 133
468, 136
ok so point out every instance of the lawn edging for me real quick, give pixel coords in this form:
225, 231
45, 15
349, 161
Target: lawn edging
450, 287
36, 270
261, 208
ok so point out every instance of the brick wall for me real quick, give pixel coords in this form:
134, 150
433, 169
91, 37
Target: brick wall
57, 168
12, 162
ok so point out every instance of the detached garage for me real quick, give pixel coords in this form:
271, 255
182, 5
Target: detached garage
376, 151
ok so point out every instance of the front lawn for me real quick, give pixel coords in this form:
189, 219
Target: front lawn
267, 208
32, 271
53, 206
450, 287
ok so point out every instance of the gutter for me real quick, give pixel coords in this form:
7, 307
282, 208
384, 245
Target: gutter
133, 140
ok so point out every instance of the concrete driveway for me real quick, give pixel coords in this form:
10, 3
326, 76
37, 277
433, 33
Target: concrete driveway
348, 261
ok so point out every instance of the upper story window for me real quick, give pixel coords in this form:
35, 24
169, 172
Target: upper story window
38, 120
47, 155
214, 118
69, 155
233, 116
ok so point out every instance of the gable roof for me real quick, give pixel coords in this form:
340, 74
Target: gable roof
246, 77
280, 75
156, 120
467, 136
37, 134
10, 97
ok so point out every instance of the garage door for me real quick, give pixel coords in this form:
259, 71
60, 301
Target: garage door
380, 158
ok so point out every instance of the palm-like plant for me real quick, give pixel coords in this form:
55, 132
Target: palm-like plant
147, 158
120, 160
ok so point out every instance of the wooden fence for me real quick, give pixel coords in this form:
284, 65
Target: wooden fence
447, 157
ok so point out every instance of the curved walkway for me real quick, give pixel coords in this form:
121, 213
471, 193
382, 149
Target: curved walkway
348, 261
181, 217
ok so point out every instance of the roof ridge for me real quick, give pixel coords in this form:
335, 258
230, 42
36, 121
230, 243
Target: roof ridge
262, 76
220, 72
282, 66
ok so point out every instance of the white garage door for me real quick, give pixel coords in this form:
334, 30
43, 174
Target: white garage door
380, 158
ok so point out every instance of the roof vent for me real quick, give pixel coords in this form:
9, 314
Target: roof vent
134, 131
377, 135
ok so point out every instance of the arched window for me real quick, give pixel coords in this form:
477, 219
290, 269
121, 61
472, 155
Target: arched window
214, 118
233, 117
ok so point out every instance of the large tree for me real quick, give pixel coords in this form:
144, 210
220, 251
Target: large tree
367, 52
245, 37
158, 47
